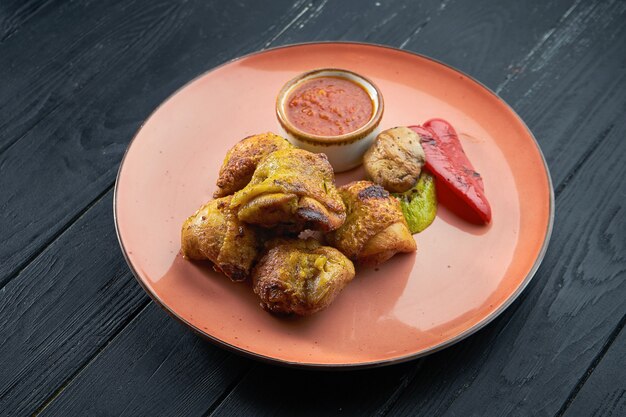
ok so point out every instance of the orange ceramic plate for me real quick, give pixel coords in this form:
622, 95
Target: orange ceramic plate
460, 278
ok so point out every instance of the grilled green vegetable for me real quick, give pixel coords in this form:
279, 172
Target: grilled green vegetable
419, 204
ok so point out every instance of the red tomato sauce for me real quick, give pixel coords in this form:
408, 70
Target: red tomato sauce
329, 106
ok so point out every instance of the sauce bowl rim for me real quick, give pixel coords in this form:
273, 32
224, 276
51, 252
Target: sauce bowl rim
358, 134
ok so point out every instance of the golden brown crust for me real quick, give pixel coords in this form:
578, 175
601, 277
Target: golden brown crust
300, 276
242, 159
382, 246
291, 188
371, 211
215, 233
395, 159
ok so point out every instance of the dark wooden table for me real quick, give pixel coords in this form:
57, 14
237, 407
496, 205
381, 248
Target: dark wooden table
80, 337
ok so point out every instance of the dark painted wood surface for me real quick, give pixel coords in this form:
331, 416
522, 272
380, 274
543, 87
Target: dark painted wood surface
80, 337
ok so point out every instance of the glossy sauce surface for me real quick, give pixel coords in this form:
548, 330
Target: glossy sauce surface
329, 106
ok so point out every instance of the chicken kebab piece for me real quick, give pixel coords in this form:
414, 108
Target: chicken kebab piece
294, 190
215, 233
375, 228
300, 277
242, 159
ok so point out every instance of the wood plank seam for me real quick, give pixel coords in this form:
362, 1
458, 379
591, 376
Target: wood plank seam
514, 307
290, 23
314, 12
596, 360
6, 146
81, 86
524, 62
52, 238
9, 144
511, 310
21, 263
563, 183
317, 10
560, 188
178, 342
385, 409
505, 317
604, 394
581, 161
415, 32
231, 387
609, 339
71, 221
55, 236
78, 371
423, 24
570, 175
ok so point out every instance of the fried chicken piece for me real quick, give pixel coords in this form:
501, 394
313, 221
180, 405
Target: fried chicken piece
300, 276
294, 190
242, 159
395, 159
215, 233
375, 228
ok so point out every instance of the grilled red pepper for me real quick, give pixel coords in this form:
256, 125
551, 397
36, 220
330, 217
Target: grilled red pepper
459, 186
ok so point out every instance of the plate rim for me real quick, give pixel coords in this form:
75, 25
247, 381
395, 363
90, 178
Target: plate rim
357, 365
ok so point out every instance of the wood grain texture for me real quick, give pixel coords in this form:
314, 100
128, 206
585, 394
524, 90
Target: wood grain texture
604, 392
525, 363
486, 38
82, 146
196, 376
155, 352
530, 360
15, 13
62, 309
80, 44
12, 396
174, 390
376, 22
67, 115
270, 391
77, 164
573, 82
89, 94
467, 372
73, 394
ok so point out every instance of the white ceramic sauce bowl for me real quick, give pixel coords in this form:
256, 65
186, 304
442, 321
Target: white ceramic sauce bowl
344, 151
